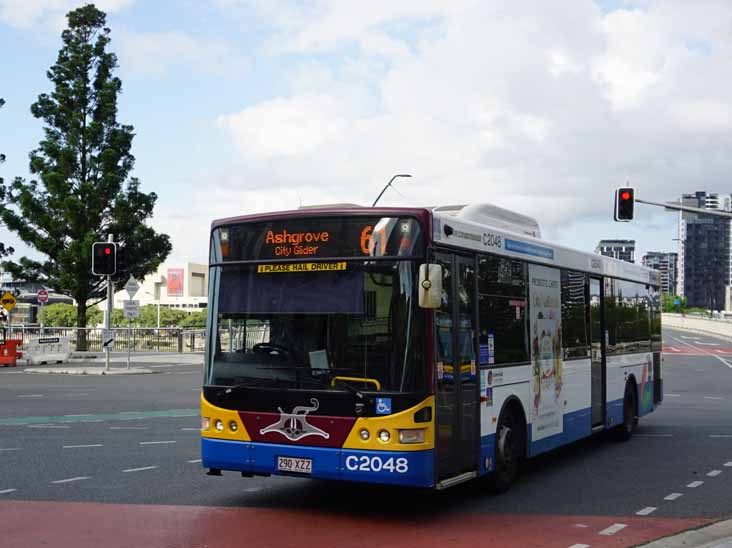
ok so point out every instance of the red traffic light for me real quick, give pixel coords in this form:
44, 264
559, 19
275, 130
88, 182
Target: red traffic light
624, 204
104, 259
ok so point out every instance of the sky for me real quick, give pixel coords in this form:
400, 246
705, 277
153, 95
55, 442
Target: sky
244, 106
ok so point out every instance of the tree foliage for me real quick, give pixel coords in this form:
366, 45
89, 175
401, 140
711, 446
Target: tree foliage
83, 190
669, 303
4, 250
64, 315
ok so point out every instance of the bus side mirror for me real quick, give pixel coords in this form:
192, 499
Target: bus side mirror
430, 286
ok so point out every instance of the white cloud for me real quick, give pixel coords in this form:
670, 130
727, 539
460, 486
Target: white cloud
543, 107
28, 13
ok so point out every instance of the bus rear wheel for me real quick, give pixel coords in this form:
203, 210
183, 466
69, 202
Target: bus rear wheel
508, 452
630, 419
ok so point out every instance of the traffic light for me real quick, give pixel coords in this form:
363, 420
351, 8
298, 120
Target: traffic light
104, 258
624, 204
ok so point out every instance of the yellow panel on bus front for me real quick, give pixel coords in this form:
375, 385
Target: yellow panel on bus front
223, 424
393, 424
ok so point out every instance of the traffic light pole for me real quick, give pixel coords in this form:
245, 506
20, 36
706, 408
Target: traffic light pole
108, 314
678, 207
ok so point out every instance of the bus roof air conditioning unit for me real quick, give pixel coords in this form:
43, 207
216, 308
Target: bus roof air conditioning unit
492, 215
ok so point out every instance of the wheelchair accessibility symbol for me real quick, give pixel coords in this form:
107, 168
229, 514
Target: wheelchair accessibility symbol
383, 406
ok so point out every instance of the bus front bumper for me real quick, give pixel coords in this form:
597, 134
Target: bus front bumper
412, 468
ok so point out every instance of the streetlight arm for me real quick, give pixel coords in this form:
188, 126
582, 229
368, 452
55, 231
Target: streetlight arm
388, 185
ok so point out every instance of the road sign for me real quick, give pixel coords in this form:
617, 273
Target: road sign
108, 338
132, 309
132, 287
8, 301
42, 296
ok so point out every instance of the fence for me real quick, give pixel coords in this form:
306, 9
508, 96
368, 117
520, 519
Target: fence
139, 339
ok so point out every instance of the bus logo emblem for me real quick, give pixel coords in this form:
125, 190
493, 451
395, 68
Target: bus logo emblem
294, 426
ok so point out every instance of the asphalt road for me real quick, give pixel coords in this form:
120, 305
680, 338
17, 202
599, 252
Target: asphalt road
116, 460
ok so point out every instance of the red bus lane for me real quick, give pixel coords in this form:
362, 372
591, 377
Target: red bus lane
81, 524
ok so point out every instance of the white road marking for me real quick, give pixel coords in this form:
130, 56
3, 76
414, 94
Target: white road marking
9, 448
580, 546
728, 464
80, 446
694, 484
714, 473
6, 491
685, 337
139, 469
673, 496
77, 415
581, 525
708, 344
194, 461
654, 435
712, 398
722, 351
129, 427
707, 352
46, 426
720, 435
252, 489
645, 511
612, 529
190, 429
673, 395
29, 396
69, 480
156, 442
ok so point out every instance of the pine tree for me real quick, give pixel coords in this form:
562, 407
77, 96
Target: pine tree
83, 190
4, 250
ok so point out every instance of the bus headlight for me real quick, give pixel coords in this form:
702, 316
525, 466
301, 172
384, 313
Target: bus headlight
205, 423
414, 435
364, 434
384, 436
233, 426
219, 425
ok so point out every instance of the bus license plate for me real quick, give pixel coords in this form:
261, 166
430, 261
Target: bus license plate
294, 464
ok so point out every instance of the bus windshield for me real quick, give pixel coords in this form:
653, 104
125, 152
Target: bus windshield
307, 325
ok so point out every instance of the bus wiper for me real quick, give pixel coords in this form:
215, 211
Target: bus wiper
359, 406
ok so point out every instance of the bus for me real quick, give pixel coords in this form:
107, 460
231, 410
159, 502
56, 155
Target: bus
417, 346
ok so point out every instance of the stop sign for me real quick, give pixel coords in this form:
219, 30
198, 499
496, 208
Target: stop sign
42, 296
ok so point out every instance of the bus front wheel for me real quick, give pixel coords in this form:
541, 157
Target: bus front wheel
509, 442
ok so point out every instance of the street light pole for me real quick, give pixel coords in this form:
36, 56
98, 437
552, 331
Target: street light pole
388, 185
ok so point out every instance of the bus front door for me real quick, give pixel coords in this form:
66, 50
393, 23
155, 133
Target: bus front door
597, 349
456, 370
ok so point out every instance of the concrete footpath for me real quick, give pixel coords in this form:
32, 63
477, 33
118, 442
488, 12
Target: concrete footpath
717, 535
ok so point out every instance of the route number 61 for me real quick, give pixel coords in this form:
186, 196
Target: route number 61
365, 463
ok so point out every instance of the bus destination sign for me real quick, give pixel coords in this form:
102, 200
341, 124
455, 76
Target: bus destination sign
311, 238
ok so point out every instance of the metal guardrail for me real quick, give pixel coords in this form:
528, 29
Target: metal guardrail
139, 339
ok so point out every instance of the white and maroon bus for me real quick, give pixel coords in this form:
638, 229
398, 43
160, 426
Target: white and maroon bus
417, 346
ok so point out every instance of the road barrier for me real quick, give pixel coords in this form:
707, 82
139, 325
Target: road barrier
697, 324
9, 353
47, 350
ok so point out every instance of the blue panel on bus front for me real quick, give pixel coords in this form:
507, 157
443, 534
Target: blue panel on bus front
224, 454
414, 468
325, 460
